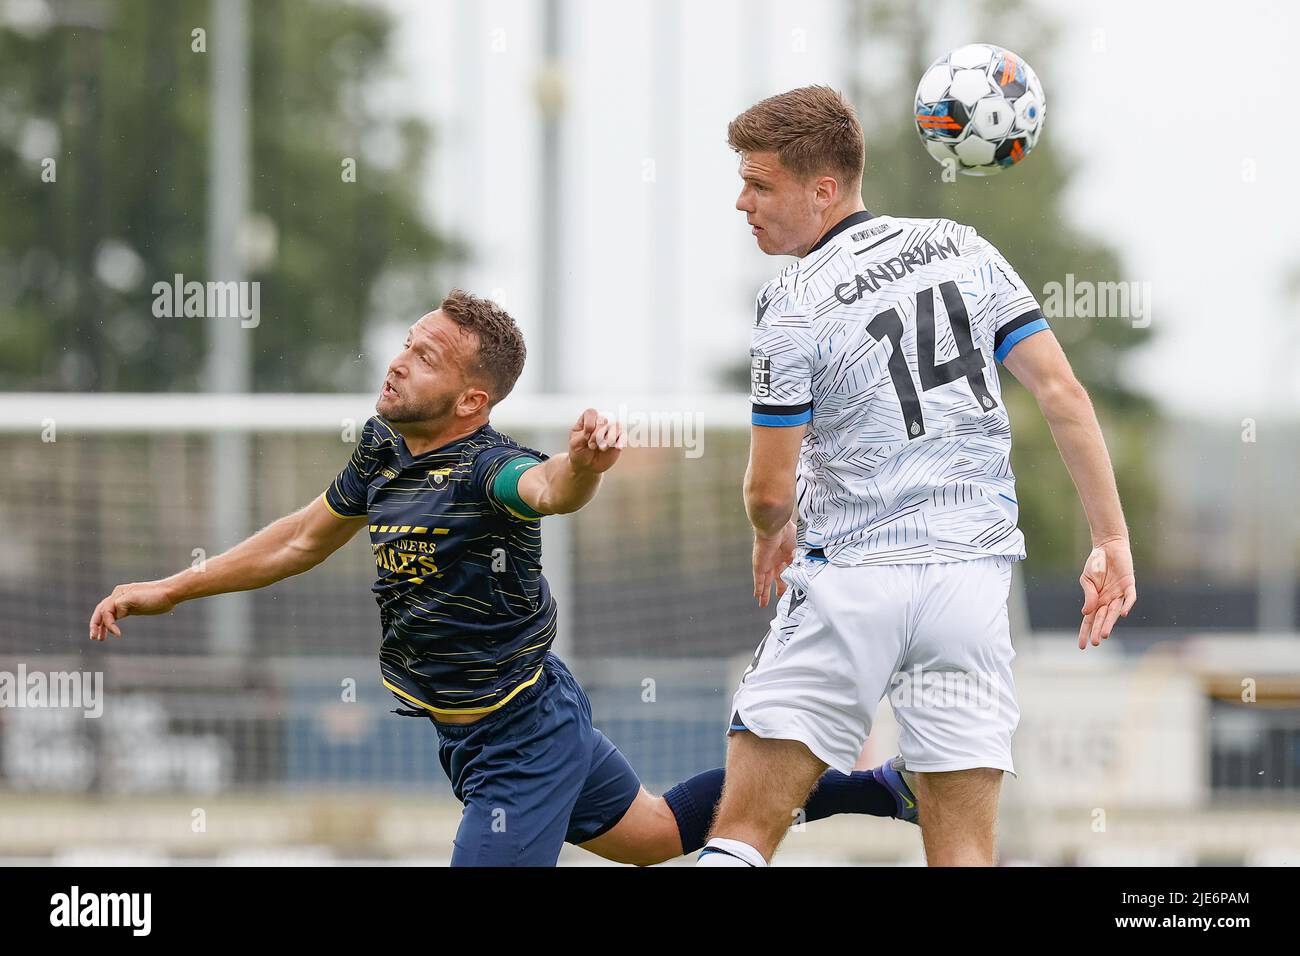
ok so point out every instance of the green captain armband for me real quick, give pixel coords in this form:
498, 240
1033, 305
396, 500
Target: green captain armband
505, 487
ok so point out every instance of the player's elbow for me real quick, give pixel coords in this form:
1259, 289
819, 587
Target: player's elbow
765, 503
557, 506
760, 492
297, 556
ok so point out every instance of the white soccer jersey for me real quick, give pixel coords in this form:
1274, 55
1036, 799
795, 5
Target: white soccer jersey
883, 339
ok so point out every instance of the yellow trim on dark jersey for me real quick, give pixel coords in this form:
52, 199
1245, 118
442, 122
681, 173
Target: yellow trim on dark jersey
519, 516
464, 711
335, 513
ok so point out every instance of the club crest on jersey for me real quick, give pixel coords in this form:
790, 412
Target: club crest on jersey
438, 478
760, 375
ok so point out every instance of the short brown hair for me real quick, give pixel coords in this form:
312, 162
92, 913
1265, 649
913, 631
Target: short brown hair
501, 350
813, 130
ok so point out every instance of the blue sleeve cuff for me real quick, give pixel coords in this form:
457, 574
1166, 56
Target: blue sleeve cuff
1034, 322
782, 416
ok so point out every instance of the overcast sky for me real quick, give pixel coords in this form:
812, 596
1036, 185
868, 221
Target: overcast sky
1177, 123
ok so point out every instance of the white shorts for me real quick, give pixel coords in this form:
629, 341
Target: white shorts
934, 638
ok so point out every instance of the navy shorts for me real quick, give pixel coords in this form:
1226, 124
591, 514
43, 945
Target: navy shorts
534, 775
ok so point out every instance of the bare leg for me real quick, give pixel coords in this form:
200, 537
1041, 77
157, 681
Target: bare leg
767, 782
959, 812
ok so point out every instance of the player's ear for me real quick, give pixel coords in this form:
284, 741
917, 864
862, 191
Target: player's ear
473, 401
827, 190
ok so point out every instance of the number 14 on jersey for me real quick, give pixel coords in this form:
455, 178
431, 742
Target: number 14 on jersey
968, 363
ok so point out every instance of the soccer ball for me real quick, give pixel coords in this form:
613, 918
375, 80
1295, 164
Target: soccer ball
980, 107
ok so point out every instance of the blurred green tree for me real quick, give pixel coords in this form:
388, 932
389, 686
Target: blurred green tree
117, 95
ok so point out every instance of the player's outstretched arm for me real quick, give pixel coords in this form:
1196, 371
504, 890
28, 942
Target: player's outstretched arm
565, 483
1109, 584
289, 546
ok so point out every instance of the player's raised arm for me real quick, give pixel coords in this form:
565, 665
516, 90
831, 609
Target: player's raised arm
565, 483
1109, 584
289, 546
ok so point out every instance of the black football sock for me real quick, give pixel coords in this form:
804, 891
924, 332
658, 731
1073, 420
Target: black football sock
693, 801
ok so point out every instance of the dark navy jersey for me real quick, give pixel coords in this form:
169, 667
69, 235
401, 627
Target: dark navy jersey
467, 616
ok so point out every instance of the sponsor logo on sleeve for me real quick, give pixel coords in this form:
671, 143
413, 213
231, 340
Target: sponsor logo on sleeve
760, 375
